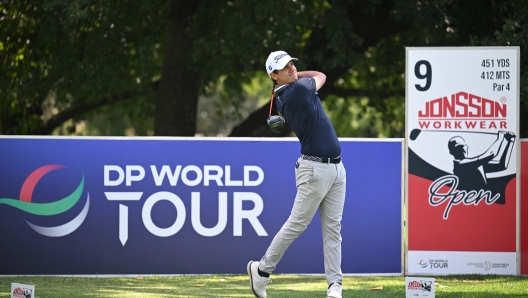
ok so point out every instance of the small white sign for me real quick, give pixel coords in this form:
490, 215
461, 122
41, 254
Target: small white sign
22, 291
419, 287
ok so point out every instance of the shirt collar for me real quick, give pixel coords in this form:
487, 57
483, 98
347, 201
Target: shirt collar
281, 87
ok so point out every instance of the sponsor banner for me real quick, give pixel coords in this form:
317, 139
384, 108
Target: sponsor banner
419, 287
524, 207
462, 127
22, 291
184, 206
450, 262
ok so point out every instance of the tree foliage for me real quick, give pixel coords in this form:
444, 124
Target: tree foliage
152, 67
62, 59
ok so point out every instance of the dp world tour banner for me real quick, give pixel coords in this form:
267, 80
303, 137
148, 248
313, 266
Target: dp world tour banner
462, 123
87, 206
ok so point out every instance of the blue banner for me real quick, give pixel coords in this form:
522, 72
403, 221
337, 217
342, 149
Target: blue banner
86, 206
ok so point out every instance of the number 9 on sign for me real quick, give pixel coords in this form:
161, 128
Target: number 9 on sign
427, 75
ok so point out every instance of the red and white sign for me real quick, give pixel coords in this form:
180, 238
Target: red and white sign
462, 128
22, 291
419, 287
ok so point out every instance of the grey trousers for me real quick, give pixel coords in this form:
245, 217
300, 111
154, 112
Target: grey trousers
319, 186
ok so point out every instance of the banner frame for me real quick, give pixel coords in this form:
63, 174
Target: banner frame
517, 145
243, 139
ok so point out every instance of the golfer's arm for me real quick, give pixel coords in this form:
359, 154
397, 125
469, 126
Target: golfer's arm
319, 77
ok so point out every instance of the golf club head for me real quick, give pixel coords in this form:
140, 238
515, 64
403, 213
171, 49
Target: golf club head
276, 123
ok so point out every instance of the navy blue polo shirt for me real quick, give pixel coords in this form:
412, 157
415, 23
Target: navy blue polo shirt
301, 106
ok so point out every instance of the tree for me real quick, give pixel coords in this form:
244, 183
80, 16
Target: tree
336, 45
375, 85
69, 60
65, 59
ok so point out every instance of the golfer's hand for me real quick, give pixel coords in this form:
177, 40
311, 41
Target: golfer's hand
509, 136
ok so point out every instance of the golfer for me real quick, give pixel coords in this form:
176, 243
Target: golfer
472, 171
319, 173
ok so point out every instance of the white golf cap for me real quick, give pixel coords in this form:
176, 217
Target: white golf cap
277, 60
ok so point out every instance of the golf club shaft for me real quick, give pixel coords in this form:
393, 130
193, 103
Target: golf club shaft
271, 100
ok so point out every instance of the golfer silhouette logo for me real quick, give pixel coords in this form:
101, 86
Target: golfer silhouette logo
28, 293
471, 171
427, 286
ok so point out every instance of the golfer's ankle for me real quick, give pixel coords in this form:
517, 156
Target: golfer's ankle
263, 274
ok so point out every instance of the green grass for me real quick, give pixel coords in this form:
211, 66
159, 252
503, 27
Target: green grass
281, 286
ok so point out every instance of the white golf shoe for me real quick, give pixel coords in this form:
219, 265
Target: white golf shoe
334, 291
257, 282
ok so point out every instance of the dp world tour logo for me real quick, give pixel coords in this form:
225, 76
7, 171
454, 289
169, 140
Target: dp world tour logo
48, 209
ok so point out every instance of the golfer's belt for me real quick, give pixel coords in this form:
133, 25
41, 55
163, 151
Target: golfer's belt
322, 159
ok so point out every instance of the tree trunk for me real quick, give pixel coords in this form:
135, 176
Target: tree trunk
177, 98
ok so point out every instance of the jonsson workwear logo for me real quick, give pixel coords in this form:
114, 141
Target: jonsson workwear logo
48, 209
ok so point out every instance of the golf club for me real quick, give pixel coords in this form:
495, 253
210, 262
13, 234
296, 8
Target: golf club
276, 122
416, 132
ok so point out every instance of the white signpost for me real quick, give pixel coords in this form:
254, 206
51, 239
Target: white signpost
419, 287
22, 291
462, 115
